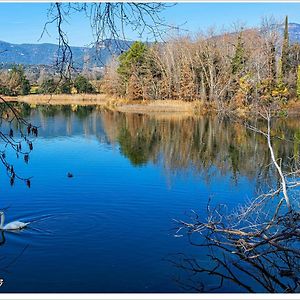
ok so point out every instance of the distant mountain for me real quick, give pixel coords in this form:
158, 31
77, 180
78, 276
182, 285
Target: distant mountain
45, 54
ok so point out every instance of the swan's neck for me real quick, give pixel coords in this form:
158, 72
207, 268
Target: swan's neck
2, 220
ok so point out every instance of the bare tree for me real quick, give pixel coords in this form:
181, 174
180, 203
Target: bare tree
108, 20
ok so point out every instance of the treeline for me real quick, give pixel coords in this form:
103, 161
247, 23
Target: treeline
14, 82
241, 68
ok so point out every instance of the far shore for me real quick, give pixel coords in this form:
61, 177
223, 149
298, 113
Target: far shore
122, 105
61, 99
133, 106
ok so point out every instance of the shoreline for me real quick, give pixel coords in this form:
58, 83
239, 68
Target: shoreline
116, 104
150, 107
61, 99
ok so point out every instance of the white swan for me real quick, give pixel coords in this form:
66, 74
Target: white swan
15, 225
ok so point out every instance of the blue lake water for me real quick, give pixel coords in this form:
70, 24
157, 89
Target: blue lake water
110, 228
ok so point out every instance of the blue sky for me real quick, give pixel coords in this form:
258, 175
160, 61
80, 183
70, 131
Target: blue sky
23, 22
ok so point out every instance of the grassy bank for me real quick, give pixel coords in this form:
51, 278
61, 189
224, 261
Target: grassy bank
62, 99
134, 106
122, 105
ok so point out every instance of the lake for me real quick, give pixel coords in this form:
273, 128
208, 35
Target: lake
111, 228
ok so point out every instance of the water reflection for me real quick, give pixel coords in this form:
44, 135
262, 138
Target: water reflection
229, 273
2, 240
9, 260
136, 211
204, 144
222, 266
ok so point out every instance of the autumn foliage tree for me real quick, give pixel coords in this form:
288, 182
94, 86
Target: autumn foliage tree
298, 82
249, 66
14, 82
187, 82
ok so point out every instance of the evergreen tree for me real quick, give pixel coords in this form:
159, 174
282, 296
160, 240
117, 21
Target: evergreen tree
82, 85
238, 60
285, 50
133, 61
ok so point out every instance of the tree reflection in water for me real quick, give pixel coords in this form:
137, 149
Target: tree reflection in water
257, 246
258, 252
204, 144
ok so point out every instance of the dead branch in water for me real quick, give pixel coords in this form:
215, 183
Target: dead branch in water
258, 242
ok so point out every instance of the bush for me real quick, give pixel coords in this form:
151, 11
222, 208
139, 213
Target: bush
82, 85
